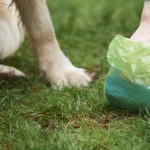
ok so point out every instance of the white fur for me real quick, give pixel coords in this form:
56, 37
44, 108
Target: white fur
10, 33
58, 69
10, 71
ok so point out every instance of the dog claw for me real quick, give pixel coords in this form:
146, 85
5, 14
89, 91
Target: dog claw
7, 71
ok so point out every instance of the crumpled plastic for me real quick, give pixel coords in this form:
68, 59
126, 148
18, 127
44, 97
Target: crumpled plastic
127, 84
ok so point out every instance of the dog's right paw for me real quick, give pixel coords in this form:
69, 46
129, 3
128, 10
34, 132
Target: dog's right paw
7, 71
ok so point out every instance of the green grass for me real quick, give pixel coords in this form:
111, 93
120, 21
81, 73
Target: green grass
33, 116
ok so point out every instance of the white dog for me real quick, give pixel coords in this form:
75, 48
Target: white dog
55, 66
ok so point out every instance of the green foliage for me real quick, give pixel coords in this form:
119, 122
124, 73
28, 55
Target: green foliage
33, 116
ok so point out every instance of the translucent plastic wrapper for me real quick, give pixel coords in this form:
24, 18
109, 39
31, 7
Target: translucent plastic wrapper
127, 84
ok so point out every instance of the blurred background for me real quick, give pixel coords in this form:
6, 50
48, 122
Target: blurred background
85, 28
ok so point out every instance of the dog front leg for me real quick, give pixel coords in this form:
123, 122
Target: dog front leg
56, 67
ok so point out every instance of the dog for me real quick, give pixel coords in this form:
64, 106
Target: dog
35, 17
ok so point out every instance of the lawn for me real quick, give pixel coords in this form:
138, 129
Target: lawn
33, 116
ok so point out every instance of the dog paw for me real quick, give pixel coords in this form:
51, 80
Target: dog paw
68, 77
59, 71
7, 71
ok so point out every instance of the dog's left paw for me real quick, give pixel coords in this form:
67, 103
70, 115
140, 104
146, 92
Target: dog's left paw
59, 71
70, 76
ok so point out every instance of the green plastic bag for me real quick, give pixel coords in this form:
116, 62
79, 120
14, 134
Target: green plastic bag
127, 84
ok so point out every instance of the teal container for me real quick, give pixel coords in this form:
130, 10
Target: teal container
127, 84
